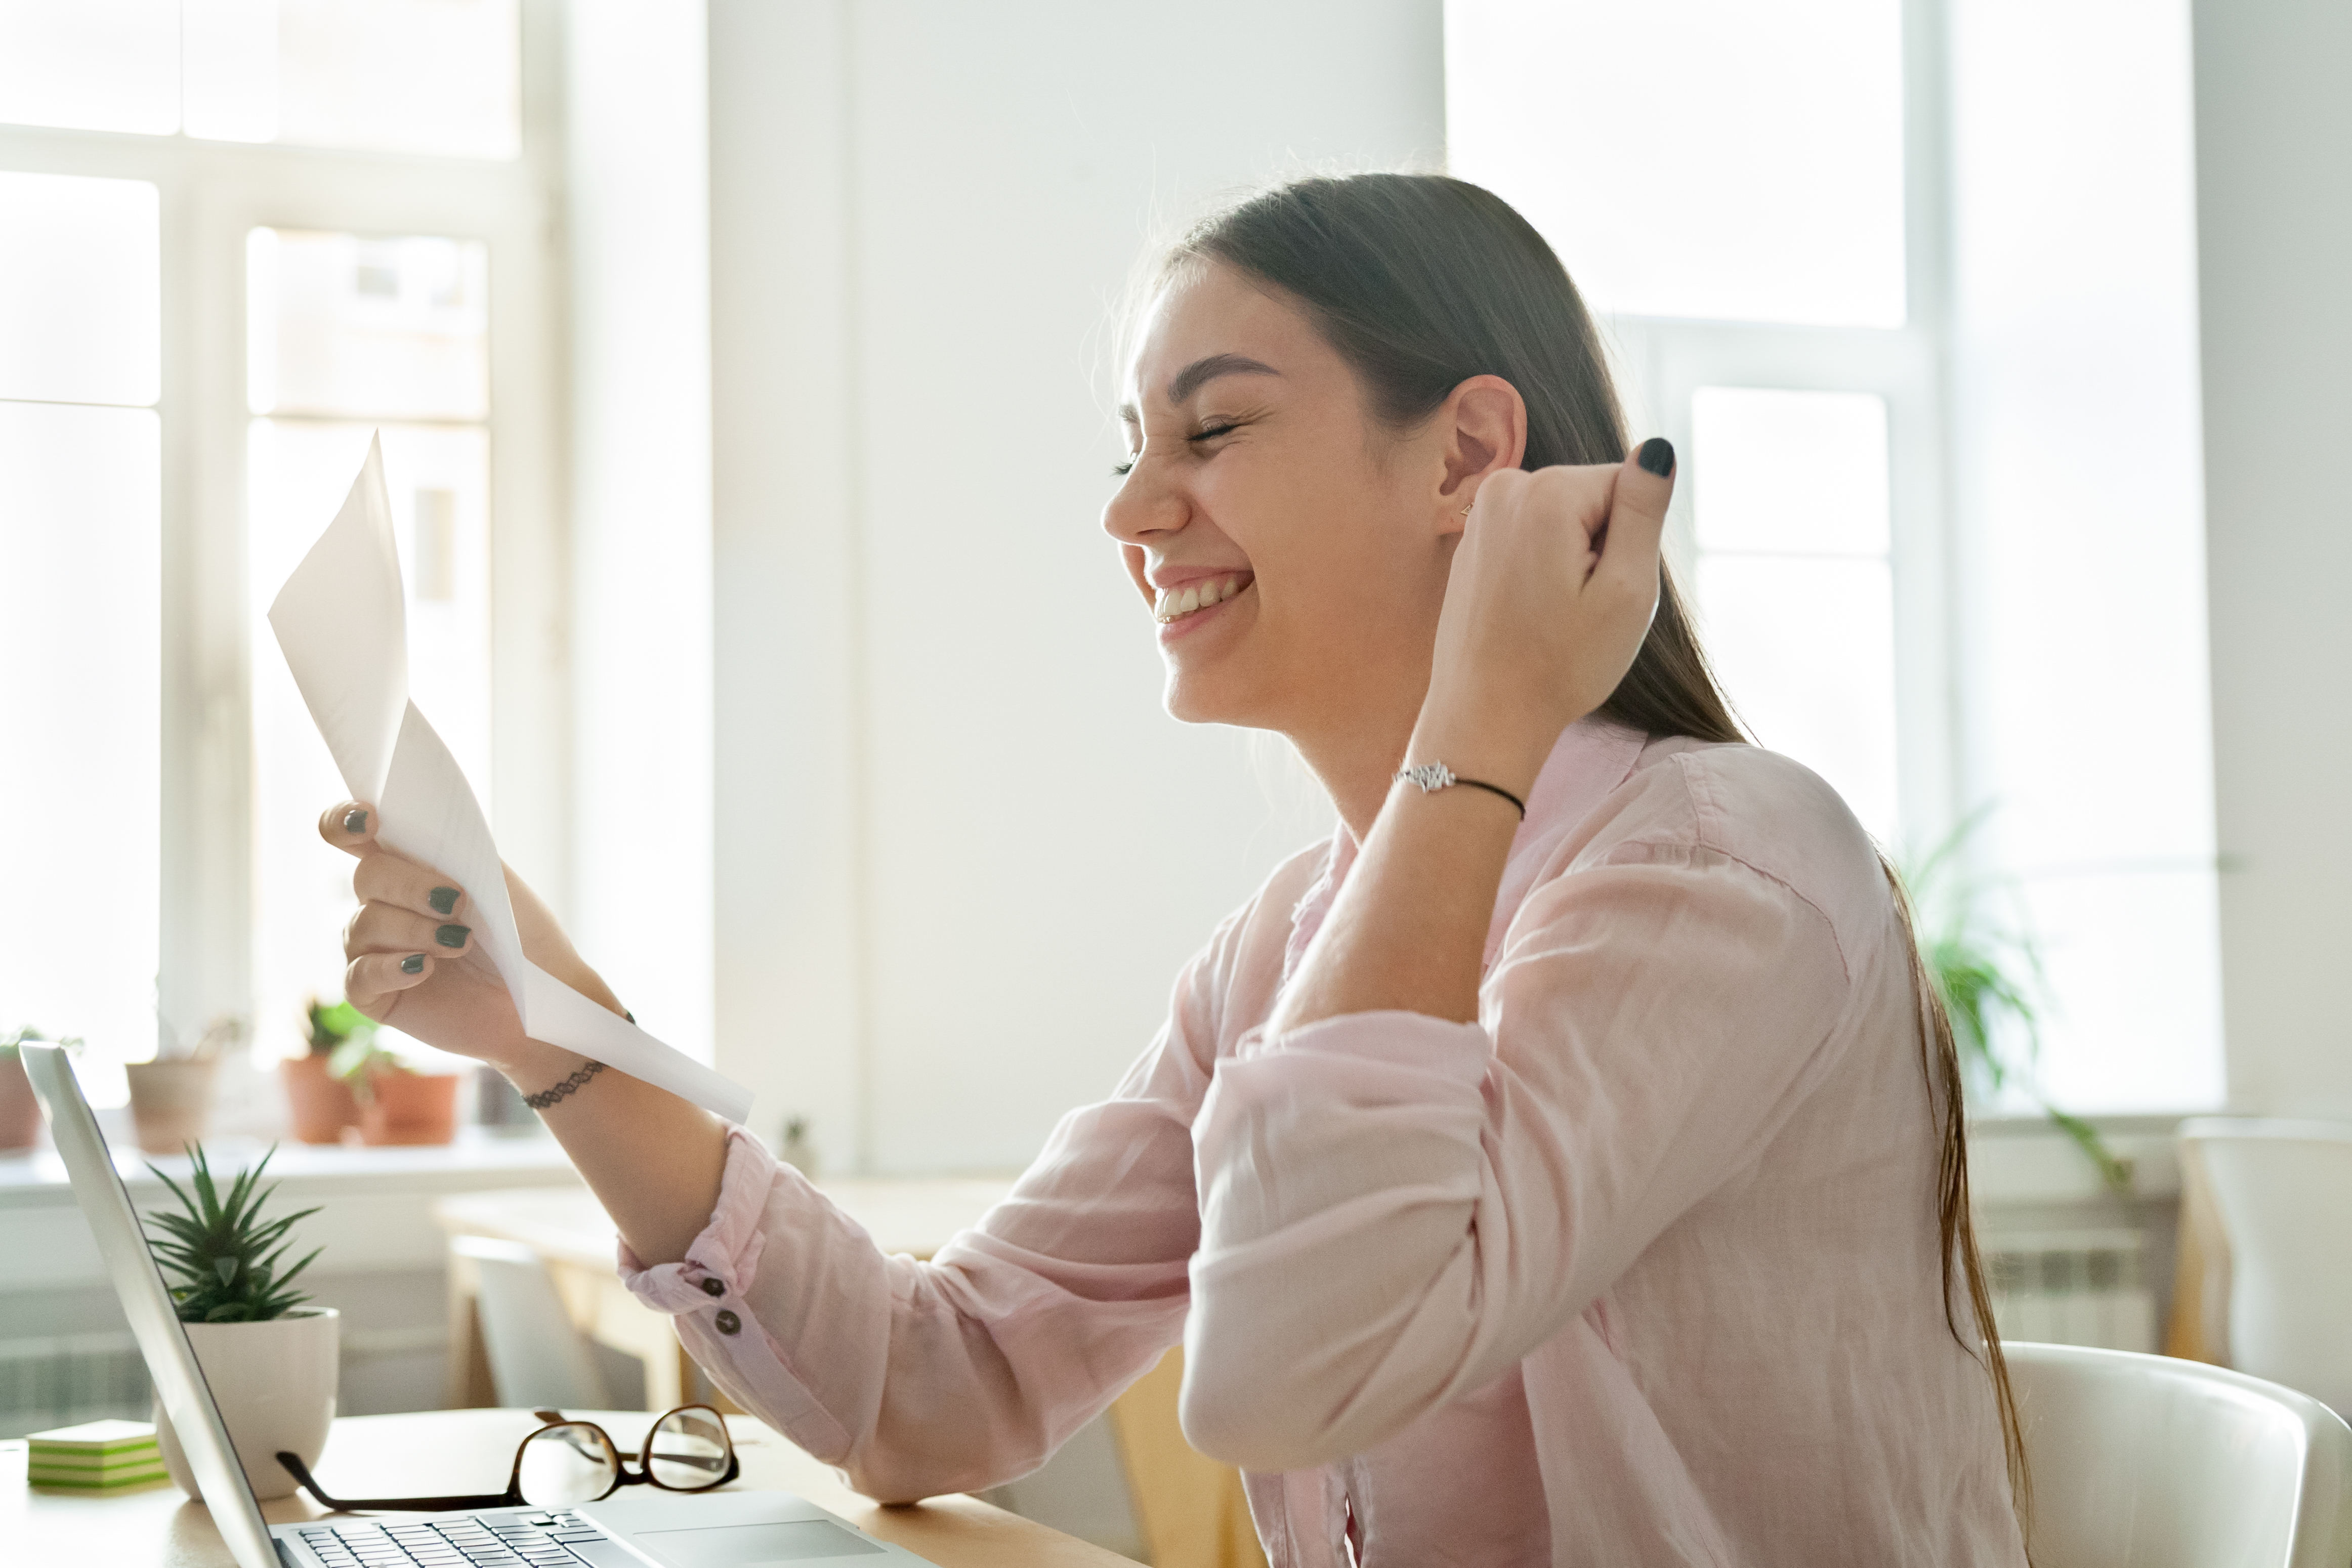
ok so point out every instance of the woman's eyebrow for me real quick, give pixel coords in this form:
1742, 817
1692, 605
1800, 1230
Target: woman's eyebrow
1199, 373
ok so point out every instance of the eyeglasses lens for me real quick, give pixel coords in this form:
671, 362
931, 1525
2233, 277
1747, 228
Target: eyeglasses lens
565, 1465
689, 1451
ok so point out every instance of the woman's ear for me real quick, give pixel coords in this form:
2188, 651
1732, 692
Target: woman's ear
1483, 428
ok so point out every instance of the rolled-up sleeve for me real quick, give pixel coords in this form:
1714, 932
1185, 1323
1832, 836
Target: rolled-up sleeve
1396, 1208
967, 1370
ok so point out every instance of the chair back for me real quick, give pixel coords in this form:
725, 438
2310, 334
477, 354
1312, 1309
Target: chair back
2283, 1192
2145, 1462
537, 1358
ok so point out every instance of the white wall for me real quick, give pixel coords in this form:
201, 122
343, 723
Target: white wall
637, 195
963, 851
2274, 233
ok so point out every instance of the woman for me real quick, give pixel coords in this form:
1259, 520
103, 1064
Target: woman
1563, 1165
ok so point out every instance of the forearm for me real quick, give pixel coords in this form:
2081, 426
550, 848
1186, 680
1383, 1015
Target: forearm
653, 1159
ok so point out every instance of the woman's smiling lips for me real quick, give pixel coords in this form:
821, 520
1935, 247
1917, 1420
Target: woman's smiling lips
1186, 599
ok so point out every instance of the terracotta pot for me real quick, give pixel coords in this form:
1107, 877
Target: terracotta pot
169, 1101
322, 1104
409, 1107
275, 1384
20, 1114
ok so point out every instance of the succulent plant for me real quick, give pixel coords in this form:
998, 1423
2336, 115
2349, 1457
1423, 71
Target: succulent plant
222, 1257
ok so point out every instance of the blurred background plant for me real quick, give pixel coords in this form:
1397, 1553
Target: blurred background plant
333, 1025
347, 1037
28, 1034
1988, 969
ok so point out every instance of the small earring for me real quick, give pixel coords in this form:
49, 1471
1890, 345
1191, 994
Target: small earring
1464, 512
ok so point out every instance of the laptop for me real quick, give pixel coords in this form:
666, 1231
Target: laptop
668, 1530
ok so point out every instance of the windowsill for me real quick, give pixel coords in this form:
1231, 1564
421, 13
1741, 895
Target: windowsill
2016, 1160
479, 1157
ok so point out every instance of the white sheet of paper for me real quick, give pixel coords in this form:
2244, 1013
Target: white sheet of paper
342, 623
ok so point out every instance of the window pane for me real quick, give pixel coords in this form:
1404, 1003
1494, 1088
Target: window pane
1715, 159
81, 715
80, 295
1795, 596
2078, 447
299, 472
1789, 471
386, 76
91, 65
393, 329
1805, 648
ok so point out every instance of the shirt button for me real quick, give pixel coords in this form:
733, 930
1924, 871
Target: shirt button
729, 1323
714, 1287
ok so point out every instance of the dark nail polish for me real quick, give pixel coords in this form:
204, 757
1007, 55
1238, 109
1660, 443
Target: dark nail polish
442, 899
1657, 455
412, 965
451, 935
355, 821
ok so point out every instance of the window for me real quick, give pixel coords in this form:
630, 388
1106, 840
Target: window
1795, 590
1912, 288
80, 575
200, 330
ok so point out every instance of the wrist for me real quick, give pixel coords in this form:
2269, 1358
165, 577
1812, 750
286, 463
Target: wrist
530, 1065
1500, 753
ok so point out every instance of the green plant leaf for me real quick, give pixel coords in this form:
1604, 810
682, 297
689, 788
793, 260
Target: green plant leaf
219, 1252
1985, 972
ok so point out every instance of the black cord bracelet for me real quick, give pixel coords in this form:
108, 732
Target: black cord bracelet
1435, 776
563, 1090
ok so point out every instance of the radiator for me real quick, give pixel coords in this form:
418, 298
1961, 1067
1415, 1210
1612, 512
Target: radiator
2072, 1287
62, 1380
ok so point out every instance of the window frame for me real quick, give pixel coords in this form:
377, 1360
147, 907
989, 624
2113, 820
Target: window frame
211, 195
1660, 362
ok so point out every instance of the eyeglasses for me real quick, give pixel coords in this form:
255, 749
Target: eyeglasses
566, 1463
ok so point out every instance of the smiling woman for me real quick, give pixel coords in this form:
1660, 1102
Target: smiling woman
1562, 1167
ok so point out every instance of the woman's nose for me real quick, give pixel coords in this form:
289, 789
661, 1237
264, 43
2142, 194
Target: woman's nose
1143, 507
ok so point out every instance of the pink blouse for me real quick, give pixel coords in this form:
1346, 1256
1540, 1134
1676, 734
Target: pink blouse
1640, 1267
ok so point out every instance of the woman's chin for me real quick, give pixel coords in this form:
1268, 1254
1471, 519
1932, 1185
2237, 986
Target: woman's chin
1194, 697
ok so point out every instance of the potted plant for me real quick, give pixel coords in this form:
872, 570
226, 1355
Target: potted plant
270, 1360
1983, 970
397, 1104
322, 1104
20, 1114
171, 1097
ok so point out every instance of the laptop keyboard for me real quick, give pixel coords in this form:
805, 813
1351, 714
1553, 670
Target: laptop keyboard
468, 1541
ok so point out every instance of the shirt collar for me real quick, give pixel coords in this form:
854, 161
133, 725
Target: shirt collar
1589, 760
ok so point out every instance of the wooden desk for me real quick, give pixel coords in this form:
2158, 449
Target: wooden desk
442, 1451
570, 1232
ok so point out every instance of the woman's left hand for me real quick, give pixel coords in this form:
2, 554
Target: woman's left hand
1549, 595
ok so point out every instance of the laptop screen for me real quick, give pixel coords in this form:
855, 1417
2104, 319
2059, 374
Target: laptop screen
179, 1381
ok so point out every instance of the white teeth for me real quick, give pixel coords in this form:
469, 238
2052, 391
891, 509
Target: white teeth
1175, 603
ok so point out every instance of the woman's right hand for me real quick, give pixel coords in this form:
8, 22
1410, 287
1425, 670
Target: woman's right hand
412, 961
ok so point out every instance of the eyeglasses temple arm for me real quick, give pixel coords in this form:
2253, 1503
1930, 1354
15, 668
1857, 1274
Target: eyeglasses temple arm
301, 1473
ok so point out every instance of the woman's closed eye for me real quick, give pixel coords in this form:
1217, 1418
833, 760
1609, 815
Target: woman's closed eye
1209, 432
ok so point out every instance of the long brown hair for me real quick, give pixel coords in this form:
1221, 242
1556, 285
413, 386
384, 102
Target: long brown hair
1422, 282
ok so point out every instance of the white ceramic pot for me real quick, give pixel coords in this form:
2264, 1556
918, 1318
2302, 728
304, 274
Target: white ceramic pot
275, 1384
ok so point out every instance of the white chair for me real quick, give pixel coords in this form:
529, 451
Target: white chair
538, 1360
2145, 1462
2282, 1192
